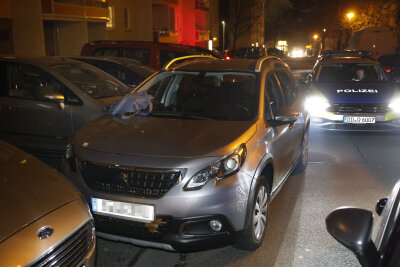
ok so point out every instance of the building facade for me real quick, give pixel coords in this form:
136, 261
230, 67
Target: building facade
188, 22
50, 27
61, 27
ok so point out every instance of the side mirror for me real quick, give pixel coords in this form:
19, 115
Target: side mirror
352, 228
55, 98
380, 205
286, 116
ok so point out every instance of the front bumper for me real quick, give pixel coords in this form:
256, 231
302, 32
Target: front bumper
181, 217
330, 121
166, 232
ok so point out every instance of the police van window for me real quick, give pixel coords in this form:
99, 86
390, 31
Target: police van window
351, 72
288, 85
140, 54
273, 95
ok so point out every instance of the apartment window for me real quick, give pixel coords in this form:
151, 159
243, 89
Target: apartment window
127, 18
111, 18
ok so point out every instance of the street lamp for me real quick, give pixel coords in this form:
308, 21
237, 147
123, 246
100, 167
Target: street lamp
315, 39
350, 16
223, 36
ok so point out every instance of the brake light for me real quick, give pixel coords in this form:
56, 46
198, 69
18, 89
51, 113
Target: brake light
227, 57
388, 70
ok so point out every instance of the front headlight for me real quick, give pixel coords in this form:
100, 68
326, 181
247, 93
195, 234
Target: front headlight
394, 105
316, 104
219, 170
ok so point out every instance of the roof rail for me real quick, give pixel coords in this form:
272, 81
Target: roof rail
169, 64
345, 53
261, 60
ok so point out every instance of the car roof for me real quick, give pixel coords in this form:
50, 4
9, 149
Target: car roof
47, 60
119, 60
219, 65
336, 60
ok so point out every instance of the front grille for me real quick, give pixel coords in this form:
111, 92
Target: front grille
148, 183
138, 230
344, 108
71, 251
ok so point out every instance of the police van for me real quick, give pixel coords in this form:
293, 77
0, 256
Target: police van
349, 90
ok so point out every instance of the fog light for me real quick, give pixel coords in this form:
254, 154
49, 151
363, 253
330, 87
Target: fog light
216, 225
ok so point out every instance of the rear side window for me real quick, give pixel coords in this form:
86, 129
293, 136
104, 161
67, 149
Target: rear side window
107, 51
288, 85
168, 55
122, 73
139, 54
273, 94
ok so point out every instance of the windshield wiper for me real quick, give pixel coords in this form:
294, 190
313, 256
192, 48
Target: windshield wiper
181, 115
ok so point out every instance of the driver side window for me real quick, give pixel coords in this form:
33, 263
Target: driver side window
29, 82
32, 83
273, 96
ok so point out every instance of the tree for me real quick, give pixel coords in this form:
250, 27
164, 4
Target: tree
243, 14
274, 11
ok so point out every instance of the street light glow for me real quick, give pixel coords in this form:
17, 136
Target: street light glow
350, 15
315, 36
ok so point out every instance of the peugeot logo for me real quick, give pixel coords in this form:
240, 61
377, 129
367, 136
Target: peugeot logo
45, 232
124, 177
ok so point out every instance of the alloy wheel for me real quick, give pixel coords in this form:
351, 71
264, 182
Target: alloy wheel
260, 213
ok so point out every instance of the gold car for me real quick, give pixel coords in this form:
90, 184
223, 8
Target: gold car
43, 220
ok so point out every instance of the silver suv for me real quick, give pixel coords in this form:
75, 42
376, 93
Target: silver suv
201, 168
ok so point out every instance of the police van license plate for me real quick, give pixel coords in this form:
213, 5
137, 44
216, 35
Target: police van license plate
358, 120
125, 210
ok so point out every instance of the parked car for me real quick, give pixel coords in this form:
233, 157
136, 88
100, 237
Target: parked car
44, 221
45, 100
155, 55
249, 52
351, 91
352, 227
128, 71
199, 170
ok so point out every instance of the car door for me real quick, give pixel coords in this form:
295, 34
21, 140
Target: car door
282, 134
31, 114
293, 100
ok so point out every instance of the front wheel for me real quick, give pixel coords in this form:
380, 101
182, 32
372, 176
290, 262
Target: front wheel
259, 217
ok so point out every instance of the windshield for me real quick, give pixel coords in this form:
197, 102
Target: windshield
94, 82
204, 95
351, 72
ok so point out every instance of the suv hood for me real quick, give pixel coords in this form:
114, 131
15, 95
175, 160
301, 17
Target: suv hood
356, 92
165, 137
29, 189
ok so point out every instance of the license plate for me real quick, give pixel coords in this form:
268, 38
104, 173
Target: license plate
125, 210
358, 120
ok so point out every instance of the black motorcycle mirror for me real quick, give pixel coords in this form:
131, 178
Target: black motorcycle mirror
352, 227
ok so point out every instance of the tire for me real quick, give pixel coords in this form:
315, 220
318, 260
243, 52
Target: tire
303, 158
254, 235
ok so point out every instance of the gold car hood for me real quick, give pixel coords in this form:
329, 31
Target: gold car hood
29, 189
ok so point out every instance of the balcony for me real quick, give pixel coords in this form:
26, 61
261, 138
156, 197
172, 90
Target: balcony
75, 9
